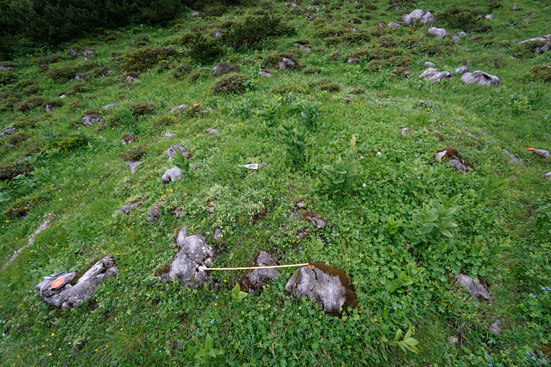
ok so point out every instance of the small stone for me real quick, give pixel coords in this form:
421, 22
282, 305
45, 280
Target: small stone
196, 14
353, 60
5, 68
211, 130
515, 7
304, 47
300, 205
424, 103
131, 79
489, 16
126, 209
480, 78
153, 214
259, 277
496, 326
317, 222
254, 166
462, 70
169, 134
8, 131
474, 287
79, 78
172, 174
132, 166
453, 340
437, 32
455, 38
462, 34
286, 64
90, 119
265, 73
177, 149
89, 53
49, 108
393, 25
547, 175
218, 234
108, 106
420, 15
217, 34
405, 131
541, 152
62, 96
429, 63
434, 75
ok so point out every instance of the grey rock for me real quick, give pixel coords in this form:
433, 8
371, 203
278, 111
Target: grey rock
79, 78
153, 214
172, 174
132, 166
496, 326
420, 15
513, 158
131, 79
126, 209
194, 253
429, 63
66, 295
480, 78
109, 106
286, 64
353, 60
546, 37
89, 53
437, 32
462, 70
8, 131
265, 73
50, 107
62, 96
259, 277
5, 68
434, 75
324, 289
91, 119
455, 38
462, 34
424, 103
547, 175
456, 163
474, 287
106, 72
489, 16
309, 16
196, 14
453, 340
177, 149
317, 222
211, 130
515, 7
393, 25
218, 234
291, 5
405, 131
217, 34
541, 152
304, 47
169, 134
542, 49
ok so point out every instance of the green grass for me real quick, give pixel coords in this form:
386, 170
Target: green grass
502, 233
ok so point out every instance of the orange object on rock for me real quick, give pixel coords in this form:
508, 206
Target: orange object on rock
57, 283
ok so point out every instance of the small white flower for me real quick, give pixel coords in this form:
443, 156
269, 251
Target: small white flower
364, 185
379, 153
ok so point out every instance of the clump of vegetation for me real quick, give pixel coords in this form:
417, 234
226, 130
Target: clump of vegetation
9, 170
204, 49
133, 154
331, 87
201, 72
464, 19
141, 41
165, 121
63, 143
140, 109
224, 68
215, 9
144, 59
182, 70
21, 206
8, 77
30, 104
252, 31
312, 70
527, 49
541, 73
69, 72
17, 138
230, 83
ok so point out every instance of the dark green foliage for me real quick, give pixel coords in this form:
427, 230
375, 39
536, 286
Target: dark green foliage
63, 143
17, 138
182, 71
331, 87
252, 31
146, 58
527, 49
140, 109
69, 72
8, 77
204, 49
141, 41
133, 154
30, 103
21, 206
295, 142
230, 83
541, 73
464, 19
197, 74
215, 10
312, 70
9, 170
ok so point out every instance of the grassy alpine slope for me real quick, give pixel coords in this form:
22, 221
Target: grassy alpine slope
401, 225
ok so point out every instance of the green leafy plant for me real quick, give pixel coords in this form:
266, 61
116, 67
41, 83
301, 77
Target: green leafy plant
405, 343
493, 187
296, 144
236, 293
392, 226
309, 114
181, 162
411, 275
206, 351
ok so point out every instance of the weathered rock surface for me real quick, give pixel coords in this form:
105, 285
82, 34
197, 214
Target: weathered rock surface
462, 70
393, 25
5, 68
132, 166
496, 326
429, 63
546, 37
259, 277
89, 53
328, 287
169, 134
177, 149
109, 106
434, 75
172, 174
547, 175
153, 213
286, 64
480, 78
473, 286
265, 73
212, 130
178, 108
91, 119
8, 131
451, 155
420, 15
126, 209
541, 152
437, 32
194, 252
57, 290
316, 221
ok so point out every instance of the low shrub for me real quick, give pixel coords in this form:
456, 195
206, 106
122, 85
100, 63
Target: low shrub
197, 74
21, 206
17, 138
133, 154
182, 71
9, 170
253, 30
541, 73
146, 58
230, 83
527, 49
224, 68
331, 87
64, 143
30, 104
204, 49
140, 109
465, 19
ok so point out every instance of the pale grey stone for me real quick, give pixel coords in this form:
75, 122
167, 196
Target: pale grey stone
177, 149
420, 15
480, 78
434, 75
172, 174
474, 287
437, 32
132, 166
286, 64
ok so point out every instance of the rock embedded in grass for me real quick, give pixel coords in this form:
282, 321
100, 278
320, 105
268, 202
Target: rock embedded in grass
437, 32
90, 118
393, 25
126, 209
462, 70
286, 64
178, 108
172, 174
259, 277
452, 157
132, 166
193, 253
330, 288
547, 175
474, 287
177, 149
60, 290
418, 15
316, 221
541, 152
434, 75
153, 213
480, 78
8, 131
